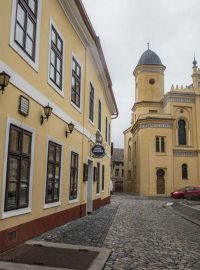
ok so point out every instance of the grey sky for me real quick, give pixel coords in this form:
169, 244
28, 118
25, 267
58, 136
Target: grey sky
172, 27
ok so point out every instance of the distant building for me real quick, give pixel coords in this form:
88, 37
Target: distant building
162, 145
117, 170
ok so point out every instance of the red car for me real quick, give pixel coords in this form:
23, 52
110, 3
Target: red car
186, 192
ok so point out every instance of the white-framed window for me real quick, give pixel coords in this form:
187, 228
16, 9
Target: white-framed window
74, 176
99, 115
53, 175
76, 83
18, 169
25, 30
56, 59
91, 103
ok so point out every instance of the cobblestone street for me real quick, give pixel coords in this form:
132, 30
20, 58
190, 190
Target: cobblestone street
144, 235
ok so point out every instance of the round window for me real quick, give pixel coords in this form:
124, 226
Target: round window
151, 81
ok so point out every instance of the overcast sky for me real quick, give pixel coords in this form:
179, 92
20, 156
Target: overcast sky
172, 27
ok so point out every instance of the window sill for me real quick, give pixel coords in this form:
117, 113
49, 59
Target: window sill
98, 194
73, 201
161, 154
16, 212
90, 121
50, 205
58, 90
76, 107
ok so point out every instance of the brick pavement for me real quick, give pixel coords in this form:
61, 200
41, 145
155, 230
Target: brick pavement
144, 235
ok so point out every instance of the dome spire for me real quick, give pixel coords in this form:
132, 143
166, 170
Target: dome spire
148, 45
194, 62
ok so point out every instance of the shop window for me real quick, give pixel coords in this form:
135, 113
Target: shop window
73, 194
18, 169
103, 177
98, 178
53, 173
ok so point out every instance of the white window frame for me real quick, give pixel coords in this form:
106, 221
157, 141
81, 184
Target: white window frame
89, 120
50, 82
81, 84
58, 203
78, 184
21, 211
16, 47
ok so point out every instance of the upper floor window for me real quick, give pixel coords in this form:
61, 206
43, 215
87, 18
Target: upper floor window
160, 144
109, 134
56, 59
91, 103
99, 116
106, 129
18, 169
53, 172
25, 26
116, 172
73, 192
184, 171
181, 132
76, 83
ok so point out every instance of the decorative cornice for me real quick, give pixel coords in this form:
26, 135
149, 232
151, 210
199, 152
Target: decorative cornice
184, 153
152, 123
155, 125
179, 97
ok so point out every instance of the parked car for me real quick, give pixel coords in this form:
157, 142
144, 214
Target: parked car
186, 192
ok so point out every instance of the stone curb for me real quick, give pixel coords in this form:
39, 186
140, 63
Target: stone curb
193, 220
98, 263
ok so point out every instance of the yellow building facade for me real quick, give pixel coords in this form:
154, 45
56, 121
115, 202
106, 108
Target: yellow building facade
49, 174
162, 145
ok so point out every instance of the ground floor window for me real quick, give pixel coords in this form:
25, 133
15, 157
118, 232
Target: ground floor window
103, 177
53, 172
74, 176
98, 178
18, 168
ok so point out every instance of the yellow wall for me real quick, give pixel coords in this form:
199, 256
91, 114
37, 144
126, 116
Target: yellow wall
56, 125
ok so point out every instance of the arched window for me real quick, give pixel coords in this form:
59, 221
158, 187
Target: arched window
184, 171
181, 132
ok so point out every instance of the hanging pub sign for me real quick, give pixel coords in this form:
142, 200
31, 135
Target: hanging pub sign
98, 151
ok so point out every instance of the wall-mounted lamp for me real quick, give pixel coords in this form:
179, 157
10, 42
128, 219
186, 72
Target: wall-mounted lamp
47, 112
69, 129
4, 80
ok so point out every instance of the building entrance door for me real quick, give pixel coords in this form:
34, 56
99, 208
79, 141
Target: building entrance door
89, 187
160, 181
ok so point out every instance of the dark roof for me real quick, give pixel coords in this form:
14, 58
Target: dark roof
149, 58
118, 154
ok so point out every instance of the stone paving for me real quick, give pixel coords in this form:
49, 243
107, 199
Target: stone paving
144, 235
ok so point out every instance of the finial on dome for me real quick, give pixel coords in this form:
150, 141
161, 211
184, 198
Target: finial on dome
148, 45
194, 62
